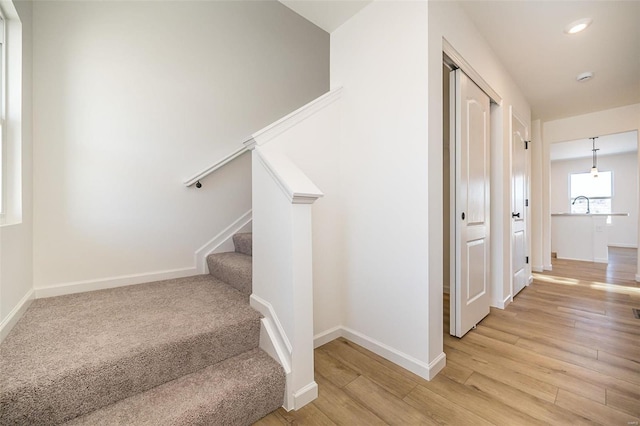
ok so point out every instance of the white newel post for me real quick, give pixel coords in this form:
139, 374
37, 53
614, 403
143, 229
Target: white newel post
282, 198
282, 268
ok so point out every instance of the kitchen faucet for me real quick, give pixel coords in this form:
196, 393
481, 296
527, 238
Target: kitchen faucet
582, 196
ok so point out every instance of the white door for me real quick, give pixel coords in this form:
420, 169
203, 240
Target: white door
518, 203
472, 146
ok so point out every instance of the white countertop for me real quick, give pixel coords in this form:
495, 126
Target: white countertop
590, 214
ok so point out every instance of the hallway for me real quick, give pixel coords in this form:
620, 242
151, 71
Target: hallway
566, 351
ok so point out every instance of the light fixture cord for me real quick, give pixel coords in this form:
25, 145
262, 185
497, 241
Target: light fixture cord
595, 158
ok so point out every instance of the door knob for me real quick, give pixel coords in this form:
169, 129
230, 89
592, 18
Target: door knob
515, 215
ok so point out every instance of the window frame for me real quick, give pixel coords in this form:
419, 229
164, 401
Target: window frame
3, 110
572, 207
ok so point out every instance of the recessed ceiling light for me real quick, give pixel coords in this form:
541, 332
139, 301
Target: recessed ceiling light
585, 76
577, 26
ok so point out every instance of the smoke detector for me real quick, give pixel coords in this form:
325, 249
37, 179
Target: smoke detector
585, 76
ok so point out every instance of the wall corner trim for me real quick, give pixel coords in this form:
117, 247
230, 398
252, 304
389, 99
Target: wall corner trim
16, 313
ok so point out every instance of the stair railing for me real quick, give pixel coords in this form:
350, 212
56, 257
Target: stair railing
267, 134
195, 179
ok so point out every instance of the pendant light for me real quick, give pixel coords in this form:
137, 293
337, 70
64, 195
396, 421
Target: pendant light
594, 168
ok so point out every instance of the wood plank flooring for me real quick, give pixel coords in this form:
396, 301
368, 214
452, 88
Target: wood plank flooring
566, 351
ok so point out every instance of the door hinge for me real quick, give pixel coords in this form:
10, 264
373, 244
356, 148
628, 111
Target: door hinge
526, 259
526, 202
526, 144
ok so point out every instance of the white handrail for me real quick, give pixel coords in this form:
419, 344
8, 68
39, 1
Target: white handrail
212, 168
266, 134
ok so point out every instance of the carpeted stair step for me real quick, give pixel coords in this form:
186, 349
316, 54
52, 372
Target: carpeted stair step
71, 355
233, 268
238, 391
243, 243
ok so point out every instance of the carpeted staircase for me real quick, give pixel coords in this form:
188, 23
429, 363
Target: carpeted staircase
176, 352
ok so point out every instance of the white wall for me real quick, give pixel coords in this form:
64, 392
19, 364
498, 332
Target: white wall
615, 120
391, 168
447, 20
537, 198
379, 57
16, 237
623, 231
130, 98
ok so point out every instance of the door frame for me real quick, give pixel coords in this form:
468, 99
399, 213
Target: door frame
460, 87
527, 216
454, 60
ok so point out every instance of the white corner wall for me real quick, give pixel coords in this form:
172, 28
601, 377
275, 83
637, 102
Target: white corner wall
379, 57
130, 98
16, 237
615, 120
447, 20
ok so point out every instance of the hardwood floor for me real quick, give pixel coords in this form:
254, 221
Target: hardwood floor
566, 351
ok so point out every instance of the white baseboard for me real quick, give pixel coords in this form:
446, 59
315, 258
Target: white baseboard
274, 341
437, 365
427, 371
548, 268
16, 313
530, 280
623, 245
305, 395
281, 340
327, 336
501, 304
601, 259
113, 282
507, 301
222, 242
268, 339
537, 268
406, 361
638, 278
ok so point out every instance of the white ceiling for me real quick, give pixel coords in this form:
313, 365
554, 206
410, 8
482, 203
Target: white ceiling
529, 39
608, 145
327, 14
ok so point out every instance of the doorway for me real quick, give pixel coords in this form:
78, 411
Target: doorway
610, 196
466, 201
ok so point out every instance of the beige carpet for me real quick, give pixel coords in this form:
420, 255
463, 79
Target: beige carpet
74, 354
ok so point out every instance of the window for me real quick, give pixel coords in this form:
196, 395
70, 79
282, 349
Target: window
3, 148
597, 189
